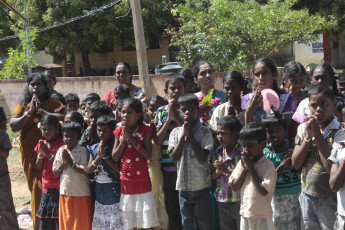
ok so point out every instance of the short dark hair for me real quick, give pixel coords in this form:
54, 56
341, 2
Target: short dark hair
230, 122
72, 97
72, 126
2, 115
174, 77
76, 116
187, 74
322, 89
253, 131
108, 120
329, 69
136, 105
92, 96
274, 118
102, 107
59, 97
125, 64
196, 67
188, 98
83, 102
50, 120
122, 89
157, 98
49, 73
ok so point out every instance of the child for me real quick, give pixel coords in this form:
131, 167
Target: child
75, 206
83, 108
321, 74
46, 150
107, 214
285, 204
224, 161
294, 75
72, 102
89, 99
255, 176
133, 146
121, 91
7, 210
76, 117
190, 147
154, 163
337, 180
97, 109
233, 84
341, 85
314, 142
166, 119
189, 80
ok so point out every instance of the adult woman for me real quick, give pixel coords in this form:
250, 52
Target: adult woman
203, 76
124, 75
265, 77
27, 114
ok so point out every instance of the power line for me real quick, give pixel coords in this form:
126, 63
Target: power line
90, 13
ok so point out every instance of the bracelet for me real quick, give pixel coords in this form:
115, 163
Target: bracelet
52, 157
307, 140
27, 114
93, 163
104, 158
343, 162
40, 157
58, 169
73, 165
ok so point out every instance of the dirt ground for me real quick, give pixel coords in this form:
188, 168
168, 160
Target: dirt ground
20, 192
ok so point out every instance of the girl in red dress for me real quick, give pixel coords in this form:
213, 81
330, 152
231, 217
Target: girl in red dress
133, 148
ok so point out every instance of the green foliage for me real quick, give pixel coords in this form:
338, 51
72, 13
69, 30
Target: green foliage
16, 65
232, 34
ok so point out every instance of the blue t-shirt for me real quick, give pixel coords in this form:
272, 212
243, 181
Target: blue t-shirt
289, 181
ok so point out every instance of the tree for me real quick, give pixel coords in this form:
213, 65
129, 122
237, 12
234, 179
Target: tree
16, 65
96, 32
232, 34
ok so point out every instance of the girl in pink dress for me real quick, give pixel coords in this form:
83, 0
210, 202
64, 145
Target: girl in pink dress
133, 148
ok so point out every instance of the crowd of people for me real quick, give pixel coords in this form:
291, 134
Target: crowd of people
197, 158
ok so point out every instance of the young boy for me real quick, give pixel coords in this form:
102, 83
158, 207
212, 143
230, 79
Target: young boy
97, 109
255, 176
91, 98
190, 147
72, 102
7, 210
166, 119
224, 161
314, 141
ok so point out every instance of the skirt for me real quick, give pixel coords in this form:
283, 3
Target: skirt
156, 176
139, 210
75, 212
286, 212
48, 211
107, 217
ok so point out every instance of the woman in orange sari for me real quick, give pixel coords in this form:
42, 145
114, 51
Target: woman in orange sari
28, 113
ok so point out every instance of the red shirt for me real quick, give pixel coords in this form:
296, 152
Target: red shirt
134, 174
49, 180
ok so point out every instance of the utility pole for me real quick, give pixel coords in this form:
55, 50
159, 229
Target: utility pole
144, 77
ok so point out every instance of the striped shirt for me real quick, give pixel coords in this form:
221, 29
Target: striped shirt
160, 118
223, 192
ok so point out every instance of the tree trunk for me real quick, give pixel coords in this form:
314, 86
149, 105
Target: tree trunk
86, 61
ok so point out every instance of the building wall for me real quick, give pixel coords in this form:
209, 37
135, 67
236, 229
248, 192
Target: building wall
42, 58
304, 53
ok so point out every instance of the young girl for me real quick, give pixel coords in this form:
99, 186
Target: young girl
285, 204
133, 146
154, 163
321, 74
294, 74
233, 84
70, 164
107, 214
46, 149
265, 77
